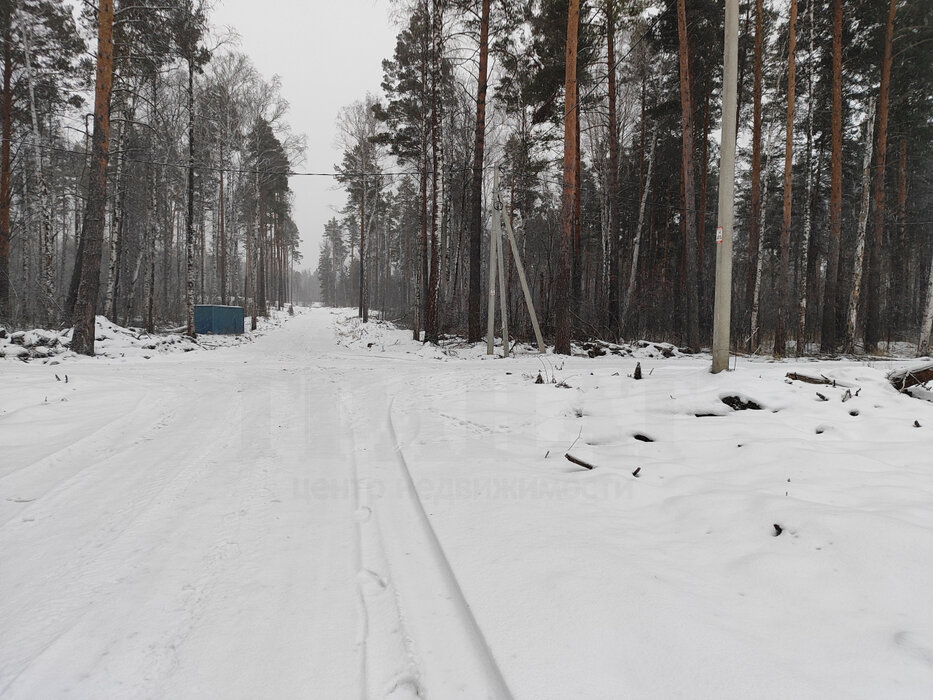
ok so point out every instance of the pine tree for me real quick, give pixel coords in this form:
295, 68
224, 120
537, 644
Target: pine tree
831, 294
475, 329
876, 299
93, 234
570, 183
691, 292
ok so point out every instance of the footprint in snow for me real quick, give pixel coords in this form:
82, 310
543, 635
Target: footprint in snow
370, 582
916, 646
363, 514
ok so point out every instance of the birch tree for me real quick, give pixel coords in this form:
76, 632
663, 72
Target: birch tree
858, 264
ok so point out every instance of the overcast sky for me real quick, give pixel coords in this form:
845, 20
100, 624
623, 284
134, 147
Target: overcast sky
328, 54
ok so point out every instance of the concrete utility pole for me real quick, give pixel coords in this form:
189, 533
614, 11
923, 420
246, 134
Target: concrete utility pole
491, 306
722, 309
517, 257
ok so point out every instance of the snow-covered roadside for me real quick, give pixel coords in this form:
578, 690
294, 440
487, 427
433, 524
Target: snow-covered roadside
114, 341
660, 573
337, 511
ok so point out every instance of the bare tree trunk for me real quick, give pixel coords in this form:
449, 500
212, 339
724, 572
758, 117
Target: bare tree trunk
26, 296
612, 183
6, 116
62, 259
370, 226
261, 263
876, 300
249, 263
134, 281
570, 184
93, 234
201, 252
45, 213
116, 218
831, 293
387, 275
902, 283
223, 234
422, 290
808, 218
783, 268
474, 320
189, 220
689, 188
577, 269
859, 262
363, 310
926, 327
149, 291
754, 225
701, 205
636, 245
431, 330
754, 337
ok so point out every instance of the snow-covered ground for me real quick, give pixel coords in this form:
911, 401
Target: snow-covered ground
116, 342
334, 511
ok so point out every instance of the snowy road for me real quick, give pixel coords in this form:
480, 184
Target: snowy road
202, 526
334, 511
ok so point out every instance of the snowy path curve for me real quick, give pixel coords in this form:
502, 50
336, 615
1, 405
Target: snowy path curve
236, 523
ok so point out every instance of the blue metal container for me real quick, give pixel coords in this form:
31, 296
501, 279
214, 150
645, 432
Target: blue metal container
220, 320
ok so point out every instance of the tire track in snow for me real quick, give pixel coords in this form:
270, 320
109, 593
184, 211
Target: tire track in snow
98, 440
494, 675
448, 653
150, 489
389, 665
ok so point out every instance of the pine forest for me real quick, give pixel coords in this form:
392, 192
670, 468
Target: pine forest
152, 172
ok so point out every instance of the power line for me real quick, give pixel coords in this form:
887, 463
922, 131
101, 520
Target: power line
710, 214
260, 171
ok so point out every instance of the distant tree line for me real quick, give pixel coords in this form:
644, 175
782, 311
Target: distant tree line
168, 187
604, 117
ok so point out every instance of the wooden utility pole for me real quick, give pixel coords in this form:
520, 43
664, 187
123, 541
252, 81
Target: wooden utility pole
497, 270
722, 305
516, 255
500, 262
491, 305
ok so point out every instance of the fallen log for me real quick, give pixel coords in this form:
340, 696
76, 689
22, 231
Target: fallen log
579, 462
903, 379
810, 380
